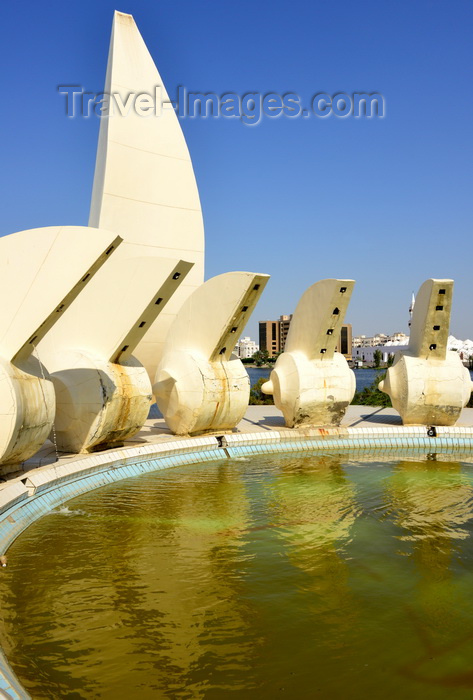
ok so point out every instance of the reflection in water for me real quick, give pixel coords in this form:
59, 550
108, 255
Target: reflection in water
432, 502
314, 508
309, 576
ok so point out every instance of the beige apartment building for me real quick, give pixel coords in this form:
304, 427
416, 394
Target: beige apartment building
273, 335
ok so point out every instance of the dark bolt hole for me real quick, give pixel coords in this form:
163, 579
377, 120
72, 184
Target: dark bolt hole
234, 329
109, 250
244, 308
439, 308
222, 351
143, 323
324, 350
343, 290
336, 312
441, 291
330, 331
436, 328
158, 300
433, 346
256, 287
86, 277
176, 275
125, 347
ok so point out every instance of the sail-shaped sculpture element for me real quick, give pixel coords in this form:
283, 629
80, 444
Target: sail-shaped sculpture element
42, 271
103, 393
200, 385
311, 383
427, 383
144, 184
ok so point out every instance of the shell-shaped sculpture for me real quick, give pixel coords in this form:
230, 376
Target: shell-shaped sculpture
103, 393
40, 288
144, 184
311, 382
427, 383
200, 386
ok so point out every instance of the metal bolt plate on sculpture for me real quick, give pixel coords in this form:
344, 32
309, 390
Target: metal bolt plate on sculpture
200, 386
429, 385
144, 183
103, 393
311, 383
39, 288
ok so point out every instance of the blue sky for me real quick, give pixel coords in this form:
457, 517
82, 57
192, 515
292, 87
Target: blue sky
387, 202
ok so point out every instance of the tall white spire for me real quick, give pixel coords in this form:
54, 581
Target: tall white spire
144, 184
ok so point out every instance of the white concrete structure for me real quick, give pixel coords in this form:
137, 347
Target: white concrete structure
311, 383
246, 348
200, 385
42, 271
144, 184
428, 385
103, 393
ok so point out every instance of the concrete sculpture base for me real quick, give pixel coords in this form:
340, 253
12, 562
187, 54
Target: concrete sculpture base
200, 386
196, 395
428, 393
311, 392
27, 411
40, 288
427, 384
99, 403
311, 383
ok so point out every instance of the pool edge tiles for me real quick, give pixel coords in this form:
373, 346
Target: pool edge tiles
26, 498
9, 684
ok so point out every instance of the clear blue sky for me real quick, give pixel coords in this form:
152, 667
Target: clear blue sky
387, 202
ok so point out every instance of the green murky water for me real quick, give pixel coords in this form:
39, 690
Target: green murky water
297, 576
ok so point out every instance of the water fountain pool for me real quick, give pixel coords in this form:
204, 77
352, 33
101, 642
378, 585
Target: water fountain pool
262, 574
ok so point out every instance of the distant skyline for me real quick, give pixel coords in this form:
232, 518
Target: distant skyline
386, 202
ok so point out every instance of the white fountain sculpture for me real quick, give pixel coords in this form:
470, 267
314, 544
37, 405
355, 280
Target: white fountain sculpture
427, 383
311, 382
103, 393
200, 385
42, 271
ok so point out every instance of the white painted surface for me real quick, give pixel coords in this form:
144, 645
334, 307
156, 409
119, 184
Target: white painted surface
427, 383
42, 271
103, 393
144, 184
311, 383
200, 385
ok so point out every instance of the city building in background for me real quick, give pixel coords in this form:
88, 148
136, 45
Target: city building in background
273, 336
345, 342
246, 348
270, 337
363, 341
364, 354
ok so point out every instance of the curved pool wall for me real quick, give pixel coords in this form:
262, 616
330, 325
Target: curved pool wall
26, 498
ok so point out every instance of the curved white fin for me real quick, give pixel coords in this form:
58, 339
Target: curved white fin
113, 314
213, 318
42, 271
318, 319
431, 319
